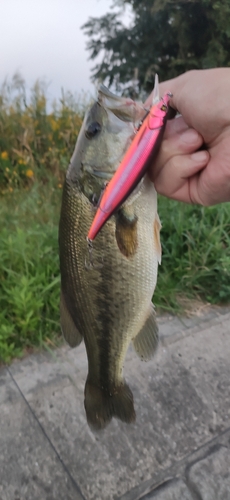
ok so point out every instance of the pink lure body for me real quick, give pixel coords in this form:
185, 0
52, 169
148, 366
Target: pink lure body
133, 166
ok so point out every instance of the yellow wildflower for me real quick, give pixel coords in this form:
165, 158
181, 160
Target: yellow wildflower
21, 161
54, 124
4, 155
29, 173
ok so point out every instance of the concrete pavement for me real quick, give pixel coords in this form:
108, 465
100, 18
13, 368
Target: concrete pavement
179, 447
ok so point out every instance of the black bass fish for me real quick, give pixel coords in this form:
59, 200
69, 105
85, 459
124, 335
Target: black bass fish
106, 289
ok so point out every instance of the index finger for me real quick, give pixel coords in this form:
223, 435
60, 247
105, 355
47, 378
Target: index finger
175, 126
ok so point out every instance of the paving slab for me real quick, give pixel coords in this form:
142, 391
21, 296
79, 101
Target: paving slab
210, 476
174, 489
201, 474
182, 401
29, 467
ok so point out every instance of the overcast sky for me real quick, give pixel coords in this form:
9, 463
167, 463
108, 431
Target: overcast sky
43, 39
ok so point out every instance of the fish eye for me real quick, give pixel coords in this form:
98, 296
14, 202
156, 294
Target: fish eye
93, 129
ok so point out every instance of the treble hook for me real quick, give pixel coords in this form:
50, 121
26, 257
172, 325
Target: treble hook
91, 264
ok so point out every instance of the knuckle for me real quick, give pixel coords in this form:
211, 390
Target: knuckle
176, 161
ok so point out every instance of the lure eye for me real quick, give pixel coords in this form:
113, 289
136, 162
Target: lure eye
164, 107
93, 129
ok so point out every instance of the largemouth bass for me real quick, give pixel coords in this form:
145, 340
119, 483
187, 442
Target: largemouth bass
106, 289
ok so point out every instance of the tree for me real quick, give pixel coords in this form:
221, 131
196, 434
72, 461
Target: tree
166, 36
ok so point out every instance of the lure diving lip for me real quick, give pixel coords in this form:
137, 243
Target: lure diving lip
133, 166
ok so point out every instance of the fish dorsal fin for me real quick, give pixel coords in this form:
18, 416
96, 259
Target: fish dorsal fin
69, 330
146, 341
154, 97
156, 92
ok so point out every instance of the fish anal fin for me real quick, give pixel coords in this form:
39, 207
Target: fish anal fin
146, 341
126, 231
69, 330
156, 235
102, 405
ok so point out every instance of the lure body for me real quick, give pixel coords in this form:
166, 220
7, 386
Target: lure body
132, 168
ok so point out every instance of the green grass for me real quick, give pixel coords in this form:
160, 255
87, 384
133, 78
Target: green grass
29, 270
36, 143
196, 254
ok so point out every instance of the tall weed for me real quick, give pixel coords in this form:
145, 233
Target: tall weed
35, 142
196, 253
29, 270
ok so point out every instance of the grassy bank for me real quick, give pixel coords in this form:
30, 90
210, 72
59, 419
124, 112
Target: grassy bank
29, 270
36, 141
196, 254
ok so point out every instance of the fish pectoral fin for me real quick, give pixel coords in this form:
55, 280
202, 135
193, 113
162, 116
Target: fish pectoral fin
126, 231
146, 341
69, 330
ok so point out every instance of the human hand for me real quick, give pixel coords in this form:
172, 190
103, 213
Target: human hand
180, 171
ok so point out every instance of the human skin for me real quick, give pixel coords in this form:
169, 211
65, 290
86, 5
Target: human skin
193, 164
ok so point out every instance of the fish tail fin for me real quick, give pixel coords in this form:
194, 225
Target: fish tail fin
101, 405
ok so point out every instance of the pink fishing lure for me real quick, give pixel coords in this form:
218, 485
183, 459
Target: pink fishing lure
133, 166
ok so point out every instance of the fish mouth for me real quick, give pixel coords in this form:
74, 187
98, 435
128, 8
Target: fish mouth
97, 172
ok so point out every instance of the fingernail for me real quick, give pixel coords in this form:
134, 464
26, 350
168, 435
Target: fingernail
189, 136
199, 156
